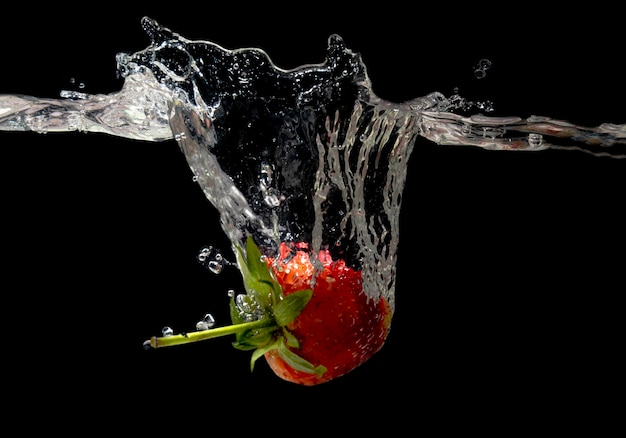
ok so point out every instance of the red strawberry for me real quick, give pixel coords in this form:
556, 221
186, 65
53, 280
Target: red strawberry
340, 328
310, 328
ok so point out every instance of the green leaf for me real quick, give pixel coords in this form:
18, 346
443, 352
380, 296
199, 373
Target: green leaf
235, 317
258, 268
288, 309
251, 339
290, 339
261, 285
257, 276
259, 352
298, 363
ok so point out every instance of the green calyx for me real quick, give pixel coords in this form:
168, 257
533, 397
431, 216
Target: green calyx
259, 317
264, 296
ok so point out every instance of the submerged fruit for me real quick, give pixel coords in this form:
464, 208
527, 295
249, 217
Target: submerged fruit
307, 316
340, 328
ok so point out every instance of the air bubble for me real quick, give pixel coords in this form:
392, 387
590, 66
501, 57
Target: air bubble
167, 331
248, 308
484, 64
212, 259
480, 70
273, 198
215, 266
206, 323
535, 140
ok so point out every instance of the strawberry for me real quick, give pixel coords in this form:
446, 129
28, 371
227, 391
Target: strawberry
311, 322
340, 328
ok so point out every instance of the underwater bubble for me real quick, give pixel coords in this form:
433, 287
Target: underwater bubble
36, 123
486, 106
272, 198
248, 308
206, 323
266, 172
167, 331
212, 259
215, 266
492, 131
480, 70
535, 140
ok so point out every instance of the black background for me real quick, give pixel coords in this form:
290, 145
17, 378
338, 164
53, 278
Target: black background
510, 265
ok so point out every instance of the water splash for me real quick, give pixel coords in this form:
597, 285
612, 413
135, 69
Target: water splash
309, 154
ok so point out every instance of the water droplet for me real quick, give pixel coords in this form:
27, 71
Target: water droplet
230, 293
167, 331
147, 345
206, 323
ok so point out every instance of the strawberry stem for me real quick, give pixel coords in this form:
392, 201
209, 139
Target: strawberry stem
201, 335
